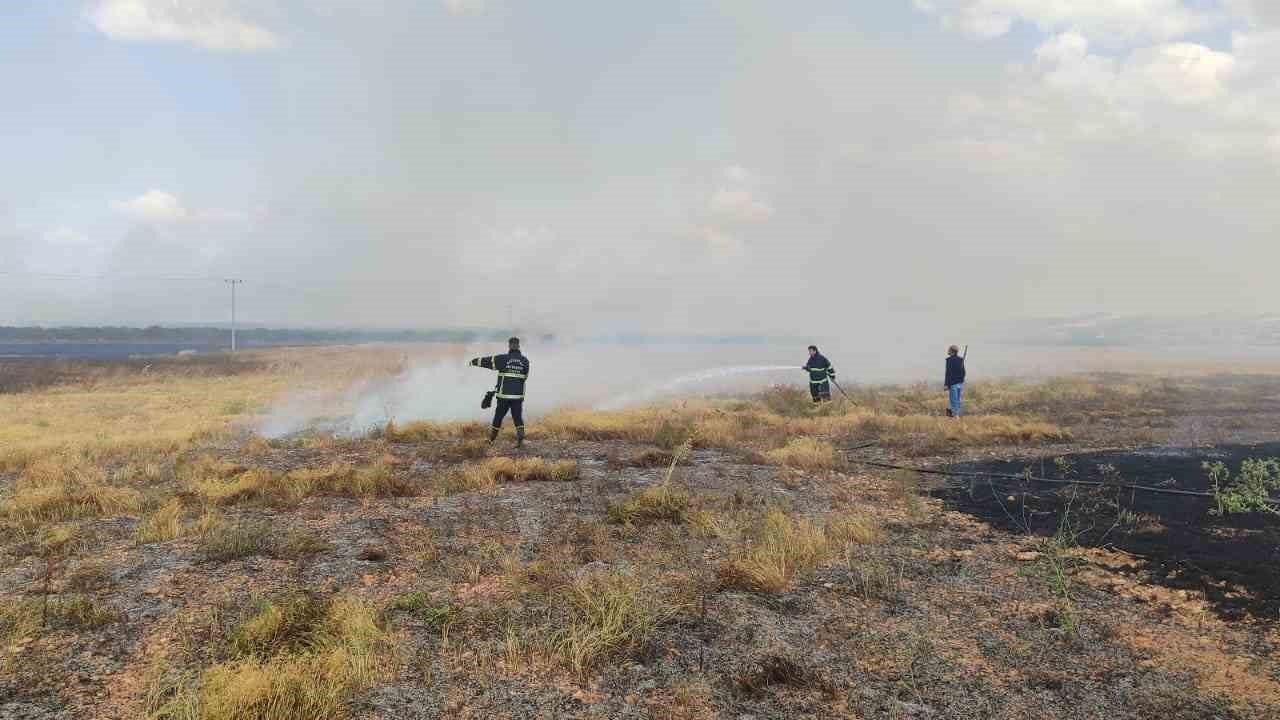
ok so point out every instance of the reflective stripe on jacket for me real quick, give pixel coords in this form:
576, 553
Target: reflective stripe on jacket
513, 370
820, 369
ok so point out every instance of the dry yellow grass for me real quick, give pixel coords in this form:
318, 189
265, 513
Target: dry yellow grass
608, 615
806, 454
425, 430
164, 524
505, 469
378, 479
125, 417
267, 487
257, 485
971, 430
852, 529
752, 424
779, 550
662, 501
338, 651
66, 486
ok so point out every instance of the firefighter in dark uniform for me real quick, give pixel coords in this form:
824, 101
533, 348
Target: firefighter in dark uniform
820, 374
513, 370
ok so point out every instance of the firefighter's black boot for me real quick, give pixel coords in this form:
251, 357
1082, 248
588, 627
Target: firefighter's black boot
493, 434
520, 437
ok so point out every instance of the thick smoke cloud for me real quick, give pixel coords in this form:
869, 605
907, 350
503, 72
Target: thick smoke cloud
843, 170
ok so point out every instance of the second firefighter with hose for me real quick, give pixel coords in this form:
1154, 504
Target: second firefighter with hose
513, 370
821, 373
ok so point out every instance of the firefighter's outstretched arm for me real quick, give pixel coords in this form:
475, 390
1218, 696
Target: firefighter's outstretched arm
484, 362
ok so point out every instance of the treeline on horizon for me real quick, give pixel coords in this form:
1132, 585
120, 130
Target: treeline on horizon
246, 336
216, 336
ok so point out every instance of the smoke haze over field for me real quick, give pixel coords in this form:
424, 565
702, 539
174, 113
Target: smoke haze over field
872, 170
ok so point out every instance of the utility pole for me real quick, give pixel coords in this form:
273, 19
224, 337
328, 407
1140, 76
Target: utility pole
233, 284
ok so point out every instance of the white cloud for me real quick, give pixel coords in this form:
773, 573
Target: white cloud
1180, 73
209, 24
160, 207
1160, 19
738, 174
720, 243
155, 206
739, 206
464, 7
1185, 73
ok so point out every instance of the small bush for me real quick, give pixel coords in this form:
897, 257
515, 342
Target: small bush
656, 502
265, 487
299, 544
1250, 489
287, 624
67, 487
22, 617
437, 617
875, 579
231, 541
787, 400
305, 662
162, 525
781, 549
806, 454
609, 615
377, 479
671, 434
647, 458
472, 449
852, 530
479, 476
258, 485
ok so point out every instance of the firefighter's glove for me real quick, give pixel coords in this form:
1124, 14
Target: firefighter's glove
475, 361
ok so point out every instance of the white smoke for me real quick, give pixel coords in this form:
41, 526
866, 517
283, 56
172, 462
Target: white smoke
579, 375
706, 380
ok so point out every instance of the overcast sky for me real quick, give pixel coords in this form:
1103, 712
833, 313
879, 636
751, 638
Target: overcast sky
739, 166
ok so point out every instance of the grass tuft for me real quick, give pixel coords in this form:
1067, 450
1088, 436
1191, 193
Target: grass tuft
662, 501
806, 454
67, 486
780, 549
491, 472
296, 659
853, 529
223, 540
609, 615
162, 525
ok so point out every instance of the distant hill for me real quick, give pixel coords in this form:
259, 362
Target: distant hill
1139, 330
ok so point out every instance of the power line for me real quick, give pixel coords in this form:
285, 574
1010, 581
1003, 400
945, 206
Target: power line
233, 283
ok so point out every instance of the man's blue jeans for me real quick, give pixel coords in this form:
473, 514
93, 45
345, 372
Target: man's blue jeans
953, 394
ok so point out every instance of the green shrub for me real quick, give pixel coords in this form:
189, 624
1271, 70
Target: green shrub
1249, 490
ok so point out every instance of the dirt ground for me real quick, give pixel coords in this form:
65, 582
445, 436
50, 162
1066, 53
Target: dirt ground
970, 603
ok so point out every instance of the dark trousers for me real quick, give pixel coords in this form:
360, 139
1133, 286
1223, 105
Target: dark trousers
517, 412
821, 391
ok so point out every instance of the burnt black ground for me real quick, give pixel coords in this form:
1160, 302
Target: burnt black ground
1233, 559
